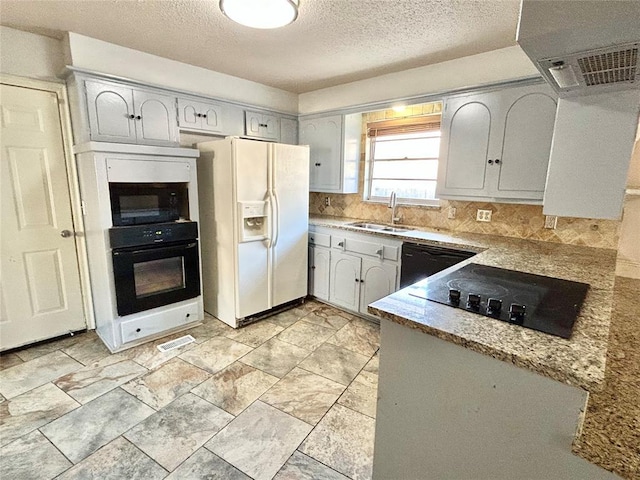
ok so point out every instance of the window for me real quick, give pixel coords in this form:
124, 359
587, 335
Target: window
403, 157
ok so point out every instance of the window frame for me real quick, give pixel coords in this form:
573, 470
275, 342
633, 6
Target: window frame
407, 125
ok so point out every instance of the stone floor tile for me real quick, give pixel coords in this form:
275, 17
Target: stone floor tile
205, 465
211, 327
236, 387
81, 432
276, 357
44, 348
216, 354
373, 365
343, 440
171, 435
306, 335
150, 357
163, 385
336, 363
304, 395
326, 316
255, 334
287, 318
360, 336
32, 457
118, 460
34, 373
31, 410
302, 467
362, 394
260, 440
9, 360
99, 378
88, 352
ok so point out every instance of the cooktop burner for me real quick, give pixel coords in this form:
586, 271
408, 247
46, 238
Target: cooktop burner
550, 305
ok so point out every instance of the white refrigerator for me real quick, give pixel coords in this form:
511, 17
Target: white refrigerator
254, 221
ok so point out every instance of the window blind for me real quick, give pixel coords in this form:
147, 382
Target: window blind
423, 123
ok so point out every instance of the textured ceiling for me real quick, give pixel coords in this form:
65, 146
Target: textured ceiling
332, 42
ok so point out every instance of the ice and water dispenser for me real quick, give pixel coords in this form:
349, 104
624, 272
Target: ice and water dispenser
253, 221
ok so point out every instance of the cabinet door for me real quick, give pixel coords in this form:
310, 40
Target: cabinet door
270, 127
110, 109
289, 131
344, 280
526, 146
211, 117
377, 281
324, 137
157, 124
320, 262
252, 123
464, 148
188, 114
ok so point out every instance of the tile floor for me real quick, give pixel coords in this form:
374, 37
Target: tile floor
290, 397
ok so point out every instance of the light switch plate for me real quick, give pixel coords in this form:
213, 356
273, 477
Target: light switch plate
452, 213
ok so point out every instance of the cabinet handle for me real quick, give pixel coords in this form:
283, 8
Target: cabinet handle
318, 164
341, 244
490, 162
263, 125
380, 253
497, 161
204, 115
357, 280
138, 117
313, 267
131, 116
312, 239
198, 114
361, 281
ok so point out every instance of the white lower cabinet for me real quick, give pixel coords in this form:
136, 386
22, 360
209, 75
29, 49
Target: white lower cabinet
357, 270
319, 264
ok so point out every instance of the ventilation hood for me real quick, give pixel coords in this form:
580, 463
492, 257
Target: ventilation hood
583, 46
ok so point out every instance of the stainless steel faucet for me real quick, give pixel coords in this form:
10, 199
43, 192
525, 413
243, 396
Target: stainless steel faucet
392, 206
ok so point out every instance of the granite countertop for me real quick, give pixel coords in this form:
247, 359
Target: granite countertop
578, 361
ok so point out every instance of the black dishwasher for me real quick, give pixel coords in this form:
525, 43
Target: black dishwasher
421, 261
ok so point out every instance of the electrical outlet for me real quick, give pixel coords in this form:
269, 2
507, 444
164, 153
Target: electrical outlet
550, 221
483, 215
327, 201
452, 213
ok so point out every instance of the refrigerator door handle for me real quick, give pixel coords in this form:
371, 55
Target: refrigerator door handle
277, 218
269, 238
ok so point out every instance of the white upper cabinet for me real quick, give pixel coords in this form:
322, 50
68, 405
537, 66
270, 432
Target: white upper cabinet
200, 116
261, 125
334, 149
124, 114
496, 145
288, 131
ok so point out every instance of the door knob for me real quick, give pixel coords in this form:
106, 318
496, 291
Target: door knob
66, 233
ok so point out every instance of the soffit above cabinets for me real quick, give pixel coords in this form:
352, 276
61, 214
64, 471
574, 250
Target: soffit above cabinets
332, 42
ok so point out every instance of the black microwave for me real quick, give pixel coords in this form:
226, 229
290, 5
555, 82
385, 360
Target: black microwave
145, 203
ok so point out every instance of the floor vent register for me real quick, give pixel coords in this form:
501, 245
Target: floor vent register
177, 343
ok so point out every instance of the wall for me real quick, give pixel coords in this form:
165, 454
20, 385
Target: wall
92, 54
510, 220
485, 68
30, 55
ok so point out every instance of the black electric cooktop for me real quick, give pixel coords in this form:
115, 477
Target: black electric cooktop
546, 304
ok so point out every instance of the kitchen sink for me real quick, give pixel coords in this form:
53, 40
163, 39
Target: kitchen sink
378, 227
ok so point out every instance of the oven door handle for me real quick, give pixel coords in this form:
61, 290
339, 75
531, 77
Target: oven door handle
158, 249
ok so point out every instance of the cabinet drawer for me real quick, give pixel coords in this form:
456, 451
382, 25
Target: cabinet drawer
363, 247
158, 322
319, 239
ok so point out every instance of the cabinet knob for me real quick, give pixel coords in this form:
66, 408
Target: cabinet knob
263, 125
318, 164
490, 162
138, 117
311, 238
313, 267
356, 280
131, 116
497, 161
198, 114
204, 115
341, 244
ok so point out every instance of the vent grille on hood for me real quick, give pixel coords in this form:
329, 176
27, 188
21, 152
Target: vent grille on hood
609, 67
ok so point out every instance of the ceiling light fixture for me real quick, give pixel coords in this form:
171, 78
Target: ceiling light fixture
261, 13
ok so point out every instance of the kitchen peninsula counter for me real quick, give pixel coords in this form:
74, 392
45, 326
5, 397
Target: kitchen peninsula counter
578, 361
462, 395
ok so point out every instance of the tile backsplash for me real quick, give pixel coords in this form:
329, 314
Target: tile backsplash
509, 220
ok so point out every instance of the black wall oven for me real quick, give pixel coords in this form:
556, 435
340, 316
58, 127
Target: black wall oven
147, 203
154, 265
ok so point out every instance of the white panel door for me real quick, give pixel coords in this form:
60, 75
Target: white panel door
253, 292
41, 294
156, 121
111, 114
290, 180
344, 281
